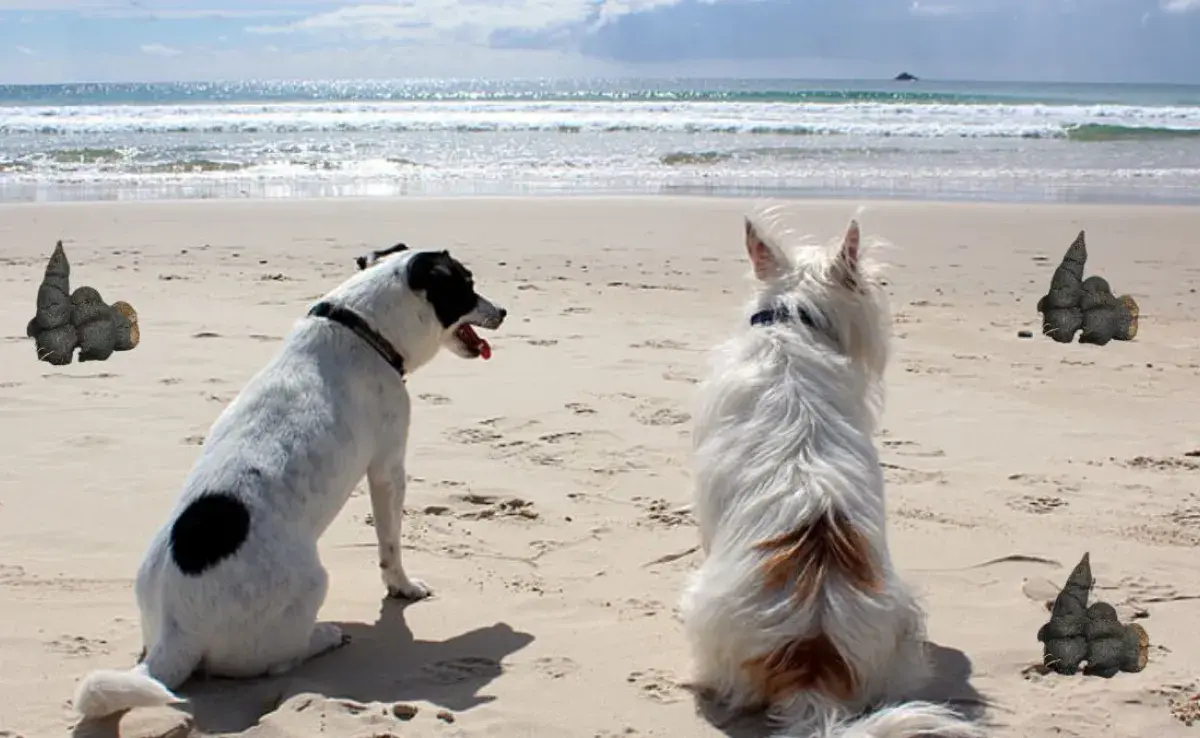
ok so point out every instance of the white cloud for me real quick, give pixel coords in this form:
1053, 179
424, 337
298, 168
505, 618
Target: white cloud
25, 50
160, 50
1180, 6
920, 8
462, 20
166, 7
185, 13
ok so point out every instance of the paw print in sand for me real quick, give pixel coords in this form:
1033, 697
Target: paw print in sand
1085, 306
66, 321
1090, 636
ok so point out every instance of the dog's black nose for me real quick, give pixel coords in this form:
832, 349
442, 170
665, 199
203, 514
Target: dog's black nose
503, 313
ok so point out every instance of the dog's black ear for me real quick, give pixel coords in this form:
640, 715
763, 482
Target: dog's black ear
447, 284
429, 268
398, 247
361, 261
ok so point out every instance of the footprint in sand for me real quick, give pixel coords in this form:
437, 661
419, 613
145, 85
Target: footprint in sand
1188, 517
194, 441
1036, 505
555, 667
655, 415
1033, 480
896, 474
471, 436
928, 516
637, 608
494, 507
578, 408
666, 344
434, 399
1162, 535
655, 685
663, 513
556, 438
911, 448
1144, 591
1168, 464
916, 367
455, 671
541, 342
78, 646
673, 375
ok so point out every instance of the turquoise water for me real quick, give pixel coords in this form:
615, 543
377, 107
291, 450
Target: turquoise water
948, 140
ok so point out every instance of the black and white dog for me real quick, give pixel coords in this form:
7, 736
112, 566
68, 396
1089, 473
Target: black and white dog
231, 585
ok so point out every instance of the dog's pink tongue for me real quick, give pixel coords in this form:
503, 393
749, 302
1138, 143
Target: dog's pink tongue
485, 349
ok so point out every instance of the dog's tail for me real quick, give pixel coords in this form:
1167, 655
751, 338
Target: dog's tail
148, 684
907, 720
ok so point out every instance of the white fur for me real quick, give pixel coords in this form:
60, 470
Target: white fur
783, 431
324, 412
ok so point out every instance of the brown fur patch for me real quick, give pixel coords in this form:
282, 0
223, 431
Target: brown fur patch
811, 664
808, 554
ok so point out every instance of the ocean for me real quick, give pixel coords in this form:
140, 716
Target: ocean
881, 139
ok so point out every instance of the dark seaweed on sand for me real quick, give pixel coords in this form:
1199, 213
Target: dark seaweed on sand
1085, 306
1090, 636
65, 321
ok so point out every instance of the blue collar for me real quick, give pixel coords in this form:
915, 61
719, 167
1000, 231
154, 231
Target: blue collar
780, 314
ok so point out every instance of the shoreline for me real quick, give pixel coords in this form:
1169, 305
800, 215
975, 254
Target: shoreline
372, 191
840, 202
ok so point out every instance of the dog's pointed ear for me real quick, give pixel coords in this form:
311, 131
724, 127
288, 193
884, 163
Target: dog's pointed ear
846, 264
763, 258
361, 261
850, 246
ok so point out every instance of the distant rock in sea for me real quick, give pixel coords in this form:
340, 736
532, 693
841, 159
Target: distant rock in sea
906, 77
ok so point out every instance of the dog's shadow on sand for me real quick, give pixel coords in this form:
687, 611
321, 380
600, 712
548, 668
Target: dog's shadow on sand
383, 662
951, 684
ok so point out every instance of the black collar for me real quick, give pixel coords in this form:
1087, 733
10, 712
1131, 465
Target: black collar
780, 314
360, 328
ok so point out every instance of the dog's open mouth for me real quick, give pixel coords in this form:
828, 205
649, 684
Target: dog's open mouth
476, 345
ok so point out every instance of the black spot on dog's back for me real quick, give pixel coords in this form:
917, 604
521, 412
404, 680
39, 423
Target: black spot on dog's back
209, 530
447, 285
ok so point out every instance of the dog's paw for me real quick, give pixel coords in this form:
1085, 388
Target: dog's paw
327, 637
407, 589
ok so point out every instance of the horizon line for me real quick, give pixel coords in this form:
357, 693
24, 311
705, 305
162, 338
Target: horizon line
593, 78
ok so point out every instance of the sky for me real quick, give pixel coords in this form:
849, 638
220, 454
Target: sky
49, 41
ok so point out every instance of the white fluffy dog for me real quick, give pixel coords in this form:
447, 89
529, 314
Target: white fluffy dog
231, 585
797, 608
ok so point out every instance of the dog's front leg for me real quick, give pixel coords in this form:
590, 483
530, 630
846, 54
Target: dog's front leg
388, 485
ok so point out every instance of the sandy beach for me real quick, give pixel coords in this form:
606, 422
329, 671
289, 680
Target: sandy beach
547, 500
